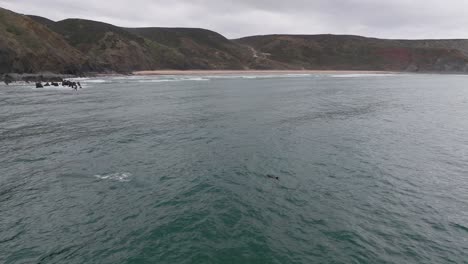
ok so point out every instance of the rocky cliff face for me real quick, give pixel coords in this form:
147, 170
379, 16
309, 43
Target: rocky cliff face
31, 44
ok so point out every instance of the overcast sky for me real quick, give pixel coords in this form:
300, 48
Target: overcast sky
374, 18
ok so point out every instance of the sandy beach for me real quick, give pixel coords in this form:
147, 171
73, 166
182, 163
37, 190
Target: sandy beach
253, 72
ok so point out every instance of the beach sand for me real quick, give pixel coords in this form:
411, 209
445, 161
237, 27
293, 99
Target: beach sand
253, 72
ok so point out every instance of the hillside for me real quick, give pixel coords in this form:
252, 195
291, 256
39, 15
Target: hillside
29, 47
201, 48
113, 48
340, 52
31, 44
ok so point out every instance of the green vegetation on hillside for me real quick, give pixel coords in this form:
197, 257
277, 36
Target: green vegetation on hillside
27, 46
30, 44
340, 52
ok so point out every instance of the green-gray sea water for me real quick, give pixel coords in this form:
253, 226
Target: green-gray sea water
181, 169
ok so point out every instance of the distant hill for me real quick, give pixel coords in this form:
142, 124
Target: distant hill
201, 48
31, 44
113, 48
342, 52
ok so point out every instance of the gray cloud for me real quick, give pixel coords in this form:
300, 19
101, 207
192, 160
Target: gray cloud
385, 18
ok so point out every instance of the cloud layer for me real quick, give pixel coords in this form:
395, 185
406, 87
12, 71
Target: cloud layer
409, 19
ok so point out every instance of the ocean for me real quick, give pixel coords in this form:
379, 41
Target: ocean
300, 168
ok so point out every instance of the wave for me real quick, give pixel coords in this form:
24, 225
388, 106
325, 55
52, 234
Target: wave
186, 78
21, 83
120, 177
299, 75
262, 76
172, 80
55, 88
94, 81
195, 79
359, 75
155, 81
277, 76
79, 79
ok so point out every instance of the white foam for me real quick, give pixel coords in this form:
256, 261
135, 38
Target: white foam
130, 77
299, 75
79, 79
185, 78
195, 79
269, 76
95, 81
121, 177
46, 88
262, 76
359, 75
17, 84
156, 81
181, 79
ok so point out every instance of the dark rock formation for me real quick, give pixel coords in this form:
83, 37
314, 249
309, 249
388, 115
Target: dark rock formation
7, 79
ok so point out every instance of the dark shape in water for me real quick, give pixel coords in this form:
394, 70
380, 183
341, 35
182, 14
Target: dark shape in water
39, 85
71, 84
7, 79
273, 177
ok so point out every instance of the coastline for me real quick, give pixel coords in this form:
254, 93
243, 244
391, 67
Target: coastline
254, 72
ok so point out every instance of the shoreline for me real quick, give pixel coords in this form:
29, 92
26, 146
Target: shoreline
258, 72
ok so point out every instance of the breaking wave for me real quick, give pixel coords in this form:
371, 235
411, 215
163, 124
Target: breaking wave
121, 177
359, 75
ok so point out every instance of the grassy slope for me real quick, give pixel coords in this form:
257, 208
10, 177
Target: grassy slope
202, 49
33, 44
27, 46
113, 48
359, 53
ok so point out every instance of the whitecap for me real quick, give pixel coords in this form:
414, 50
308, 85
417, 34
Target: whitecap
270, 76
45, 88
194, 79
172, 80
299, 75
359, 75
155, 81
95, 81
121, 177
79, 79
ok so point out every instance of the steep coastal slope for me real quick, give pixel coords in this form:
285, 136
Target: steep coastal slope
31, 44
29, 47
202, 49
113, 48
340, 52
